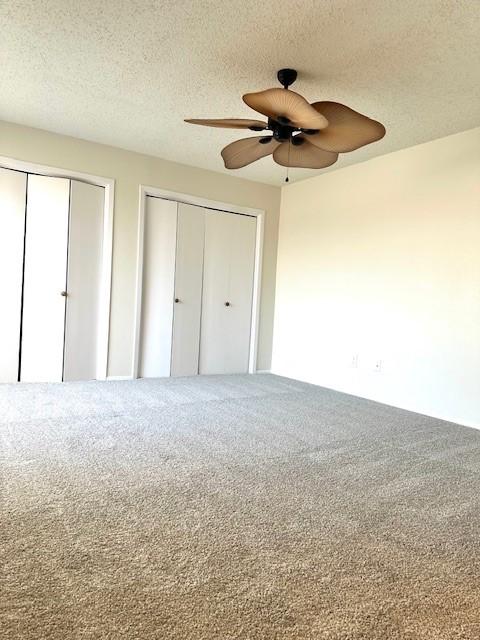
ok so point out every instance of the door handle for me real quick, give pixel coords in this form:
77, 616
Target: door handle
64, 294
227, 304
177, 300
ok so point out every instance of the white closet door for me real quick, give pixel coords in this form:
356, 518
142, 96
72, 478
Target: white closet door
188, 290
83, 280
46, 239
13, 185
227, 293
158, 287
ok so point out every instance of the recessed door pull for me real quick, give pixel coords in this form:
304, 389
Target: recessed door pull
177, 300
227, 304
64, 294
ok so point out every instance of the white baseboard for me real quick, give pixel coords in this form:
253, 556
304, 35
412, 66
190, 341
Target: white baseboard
436, 416
263, 371
113, 378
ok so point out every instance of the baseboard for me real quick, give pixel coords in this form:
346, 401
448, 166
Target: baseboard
452, 420
465, 423
113, 378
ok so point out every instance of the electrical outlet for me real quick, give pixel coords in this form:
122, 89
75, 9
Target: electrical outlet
354, 361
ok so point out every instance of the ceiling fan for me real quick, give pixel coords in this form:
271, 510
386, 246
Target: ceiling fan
302, 134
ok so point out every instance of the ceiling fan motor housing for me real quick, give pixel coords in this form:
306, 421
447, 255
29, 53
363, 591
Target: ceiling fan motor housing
281, 131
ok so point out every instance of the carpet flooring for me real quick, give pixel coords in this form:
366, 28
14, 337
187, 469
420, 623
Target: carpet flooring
234, 507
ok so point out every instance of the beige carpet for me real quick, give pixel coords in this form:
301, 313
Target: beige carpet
239, 507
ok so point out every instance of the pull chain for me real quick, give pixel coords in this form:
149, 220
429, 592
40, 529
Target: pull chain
288, 160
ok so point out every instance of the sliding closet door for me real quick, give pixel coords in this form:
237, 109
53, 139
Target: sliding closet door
13, 195
83, 281
45, 271
188, 290
158, 287
227, 293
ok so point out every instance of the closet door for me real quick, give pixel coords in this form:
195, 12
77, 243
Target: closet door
13, 185
83, 280
227, 292
46, 239
158, 287
188, 290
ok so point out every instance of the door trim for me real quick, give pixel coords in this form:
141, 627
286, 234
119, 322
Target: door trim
107, 243
185, 198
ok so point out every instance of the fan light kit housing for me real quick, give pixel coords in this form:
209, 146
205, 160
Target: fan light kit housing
301, 134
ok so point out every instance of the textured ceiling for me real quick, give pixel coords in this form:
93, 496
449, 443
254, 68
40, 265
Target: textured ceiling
126, 72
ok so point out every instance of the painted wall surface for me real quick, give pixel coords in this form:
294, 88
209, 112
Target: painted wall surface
129, 171
378, 279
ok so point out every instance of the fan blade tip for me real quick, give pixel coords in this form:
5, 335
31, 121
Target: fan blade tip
223, 158
246, 98
229, 123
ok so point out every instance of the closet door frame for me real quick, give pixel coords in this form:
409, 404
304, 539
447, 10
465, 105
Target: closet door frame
107, 251
205, 203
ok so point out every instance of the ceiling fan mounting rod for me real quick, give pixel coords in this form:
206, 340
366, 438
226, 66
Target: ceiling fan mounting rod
286, 77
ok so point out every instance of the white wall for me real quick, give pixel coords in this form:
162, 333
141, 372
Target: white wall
130, 170
381, 260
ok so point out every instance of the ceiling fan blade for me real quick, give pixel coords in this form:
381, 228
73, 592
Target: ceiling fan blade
303, 155
242, 152
230, 123
347, 129
287, 105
